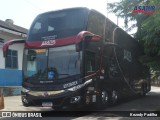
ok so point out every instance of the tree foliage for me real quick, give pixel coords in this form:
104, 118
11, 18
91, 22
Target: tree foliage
148, 27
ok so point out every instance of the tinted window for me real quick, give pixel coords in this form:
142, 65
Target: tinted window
64, 61
96, 23
90, 62
58, 24
41, 65
109, 27
35, 63
1, 40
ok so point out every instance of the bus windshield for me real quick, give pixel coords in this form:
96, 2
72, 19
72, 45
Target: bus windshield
51, 64
58, 24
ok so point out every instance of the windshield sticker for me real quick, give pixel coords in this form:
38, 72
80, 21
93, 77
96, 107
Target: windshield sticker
46, 82
51, 75
49, 42
49, 37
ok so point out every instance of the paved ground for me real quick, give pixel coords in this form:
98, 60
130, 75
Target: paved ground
151, 102
148, 103
13, 103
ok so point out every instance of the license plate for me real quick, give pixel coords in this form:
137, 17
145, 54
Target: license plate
47, 104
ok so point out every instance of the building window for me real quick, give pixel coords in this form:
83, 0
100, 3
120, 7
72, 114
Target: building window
1, 40
11, 61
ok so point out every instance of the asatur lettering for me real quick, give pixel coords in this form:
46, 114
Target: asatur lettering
48, 42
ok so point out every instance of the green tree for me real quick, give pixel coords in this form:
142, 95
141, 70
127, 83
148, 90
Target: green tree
148, 30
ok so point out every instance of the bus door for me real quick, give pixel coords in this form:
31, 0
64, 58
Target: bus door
90, 69
90, 65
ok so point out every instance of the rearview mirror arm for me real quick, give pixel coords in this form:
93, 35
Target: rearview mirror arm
7, 44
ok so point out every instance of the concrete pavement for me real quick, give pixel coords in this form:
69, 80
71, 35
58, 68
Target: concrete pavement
13, 103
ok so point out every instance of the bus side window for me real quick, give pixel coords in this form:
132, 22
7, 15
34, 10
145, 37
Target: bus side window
90, 62
113, 69
96, 23
90, 65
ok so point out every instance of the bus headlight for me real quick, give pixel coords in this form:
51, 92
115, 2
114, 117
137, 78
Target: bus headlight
25, 90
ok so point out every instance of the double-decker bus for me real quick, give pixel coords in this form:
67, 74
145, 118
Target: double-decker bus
77, 56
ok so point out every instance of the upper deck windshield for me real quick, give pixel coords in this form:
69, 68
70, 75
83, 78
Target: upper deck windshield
58, 24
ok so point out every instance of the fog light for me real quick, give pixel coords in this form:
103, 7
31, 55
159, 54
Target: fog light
24, 100
75, 99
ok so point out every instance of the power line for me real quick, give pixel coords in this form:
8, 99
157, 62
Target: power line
34, 5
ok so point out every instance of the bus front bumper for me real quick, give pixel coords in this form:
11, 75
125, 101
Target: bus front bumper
52, 98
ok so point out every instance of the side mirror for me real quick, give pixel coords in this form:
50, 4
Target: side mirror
7, 44
78, 46
86, 40
85, 36
31, 55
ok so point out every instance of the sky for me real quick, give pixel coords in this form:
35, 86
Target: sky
23, 12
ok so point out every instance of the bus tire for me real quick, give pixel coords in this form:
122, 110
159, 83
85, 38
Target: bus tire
114, 97
25, 104
104, 98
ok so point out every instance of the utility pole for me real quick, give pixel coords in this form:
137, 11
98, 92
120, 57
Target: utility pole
107, 8
117, 20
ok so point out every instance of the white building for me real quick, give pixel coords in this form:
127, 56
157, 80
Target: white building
11, 66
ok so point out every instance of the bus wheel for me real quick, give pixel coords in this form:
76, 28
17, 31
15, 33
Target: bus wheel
104, 97
114, 97
25, 102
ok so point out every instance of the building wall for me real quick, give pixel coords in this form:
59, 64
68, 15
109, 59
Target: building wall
11, 79
8, 76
